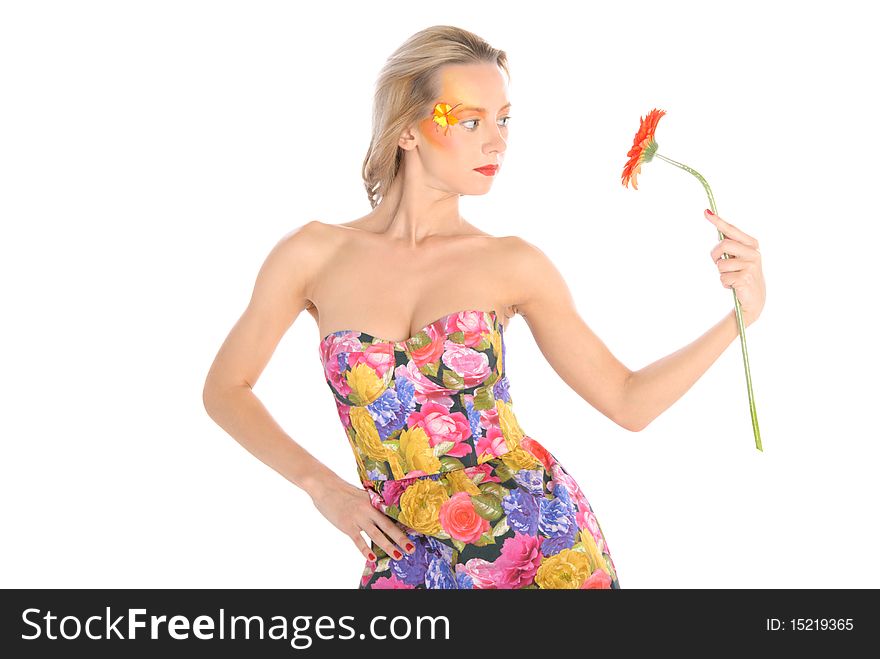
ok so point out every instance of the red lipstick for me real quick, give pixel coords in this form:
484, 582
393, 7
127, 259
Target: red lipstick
488, 170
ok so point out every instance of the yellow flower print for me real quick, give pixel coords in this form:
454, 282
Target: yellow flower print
367, 436
519, 458
366, 385
396, 467
567, 569
510, 427
459, 481
416, 452
420, 505
593, 554
361, 467
442, 116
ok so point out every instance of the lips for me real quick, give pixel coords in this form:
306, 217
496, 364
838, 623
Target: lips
489, 170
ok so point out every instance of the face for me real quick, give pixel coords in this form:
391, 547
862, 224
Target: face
466, 129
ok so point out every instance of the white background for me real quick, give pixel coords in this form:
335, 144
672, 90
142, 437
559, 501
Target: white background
154, 152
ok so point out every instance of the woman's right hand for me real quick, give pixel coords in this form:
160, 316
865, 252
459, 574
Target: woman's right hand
349, 509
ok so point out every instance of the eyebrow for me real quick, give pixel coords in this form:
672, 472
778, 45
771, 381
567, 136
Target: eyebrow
481, 110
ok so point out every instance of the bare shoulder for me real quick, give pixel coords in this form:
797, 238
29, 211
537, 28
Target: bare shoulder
311, 243
279, 294
520, 248
533, 273
292, 264
309, 236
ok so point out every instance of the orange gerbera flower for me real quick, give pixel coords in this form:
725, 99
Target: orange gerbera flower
643, 149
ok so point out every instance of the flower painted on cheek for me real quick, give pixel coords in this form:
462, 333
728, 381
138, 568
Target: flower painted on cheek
443, 116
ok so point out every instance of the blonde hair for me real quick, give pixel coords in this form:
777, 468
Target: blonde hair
405, 89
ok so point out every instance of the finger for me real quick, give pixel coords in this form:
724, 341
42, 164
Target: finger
733, 248
729, 230
362, 546
732, 265
393, 531
377, 535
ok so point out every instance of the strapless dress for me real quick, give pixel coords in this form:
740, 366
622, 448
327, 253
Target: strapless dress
431, 424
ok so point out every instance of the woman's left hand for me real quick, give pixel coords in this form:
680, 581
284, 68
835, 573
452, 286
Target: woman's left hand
742, 269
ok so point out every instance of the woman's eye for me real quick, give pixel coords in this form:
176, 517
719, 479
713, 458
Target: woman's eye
474, 127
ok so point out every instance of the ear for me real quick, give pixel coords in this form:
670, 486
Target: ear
407, 139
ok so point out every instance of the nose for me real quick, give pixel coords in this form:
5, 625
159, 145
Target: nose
496, 142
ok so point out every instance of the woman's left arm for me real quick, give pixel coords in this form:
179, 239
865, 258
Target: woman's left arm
653, 389
632, 399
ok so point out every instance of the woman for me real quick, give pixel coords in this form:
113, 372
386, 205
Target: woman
455, 494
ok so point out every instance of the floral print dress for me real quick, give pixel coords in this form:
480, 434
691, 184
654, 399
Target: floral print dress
439, 450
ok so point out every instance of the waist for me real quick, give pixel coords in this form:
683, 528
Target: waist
434, 440
489, 469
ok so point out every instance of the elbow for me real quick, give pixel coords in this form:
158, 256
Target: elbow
209, 397
628, 424
635, 423
628, 419
215, 395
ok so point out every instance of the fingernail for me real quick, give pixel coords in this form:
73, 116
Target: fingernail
372, 556
709, 210
397, 554
410, 546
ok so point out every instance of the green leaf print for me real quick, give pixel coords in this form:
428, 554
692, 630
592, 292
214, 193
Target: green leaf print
443, 448
449, 463
483, 398
487, 506
497, 490
485, 539
501, 528
452, 380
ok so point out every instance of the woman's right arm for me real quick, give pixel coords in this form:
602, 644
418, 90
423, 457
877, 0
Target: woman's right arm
279, 295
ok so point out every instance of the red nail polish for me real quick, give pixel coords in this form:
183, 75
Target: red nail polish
410, 546
372, 556
397, 554
709, 210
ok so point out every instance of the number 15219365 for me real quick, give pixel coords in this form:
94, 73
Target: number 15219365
809, 624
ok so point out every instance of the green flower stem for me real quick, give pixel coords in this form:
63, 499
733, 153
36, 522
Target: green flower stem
739, 320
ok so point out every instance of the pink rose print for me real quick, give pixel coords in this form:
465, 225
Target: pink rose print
483, 573
486, 470
392, 583
460, 520
330, 349
489, 418
599, 579
426, 390
519, 561
470, 364
471, 323
493, 443
431, 352
441, 426
378, 356
392, 489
